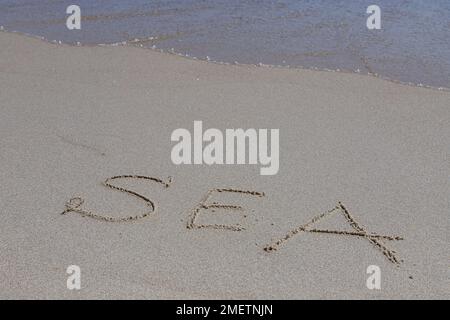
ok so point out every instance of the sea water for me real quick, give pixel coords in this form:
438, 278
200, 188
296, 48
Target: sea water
412, 46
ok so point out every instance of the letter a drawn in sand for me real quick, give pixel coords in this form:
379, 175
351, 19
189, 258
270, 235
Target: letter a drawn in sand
203, 205
374, 239
75, 203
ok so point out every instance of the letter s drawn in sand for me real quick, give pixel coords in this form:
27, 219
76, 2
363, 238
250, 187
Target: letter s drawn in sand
75, 203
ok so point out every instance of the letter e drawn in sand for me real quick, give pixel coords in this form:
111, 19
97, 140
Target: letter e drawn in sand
75, 203
203, 205
375, 239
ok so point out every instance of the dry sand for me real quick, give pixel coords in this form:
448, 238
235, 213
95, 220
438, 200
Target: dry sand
73, 116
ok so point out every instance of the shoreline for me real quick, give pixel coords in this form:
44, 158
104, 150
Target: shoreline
73, 120
260, 65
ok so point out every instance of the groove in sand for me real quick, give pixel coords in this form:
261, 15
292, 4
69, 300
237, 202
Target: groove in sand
374, 239
75, 203
204, 206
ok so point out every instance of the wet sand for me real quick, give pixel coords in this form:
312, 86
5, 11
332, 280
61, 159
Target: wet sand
362, 158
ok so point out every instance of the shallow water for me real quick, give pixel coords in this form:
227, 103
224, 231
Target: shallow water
412, 46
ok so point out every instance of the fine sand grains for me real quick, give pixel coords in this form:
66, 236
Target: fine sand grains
360, 231
204, 206
75, 203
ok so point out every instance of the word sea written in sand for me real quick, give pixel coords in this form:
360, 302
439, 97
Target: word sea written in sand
377, 241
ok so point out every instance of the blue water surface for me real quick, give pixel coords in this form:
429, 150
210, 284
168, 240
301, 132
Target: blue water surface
412, 46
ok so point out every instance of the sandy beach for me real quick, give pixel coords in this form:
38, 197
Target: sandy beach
71, 117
